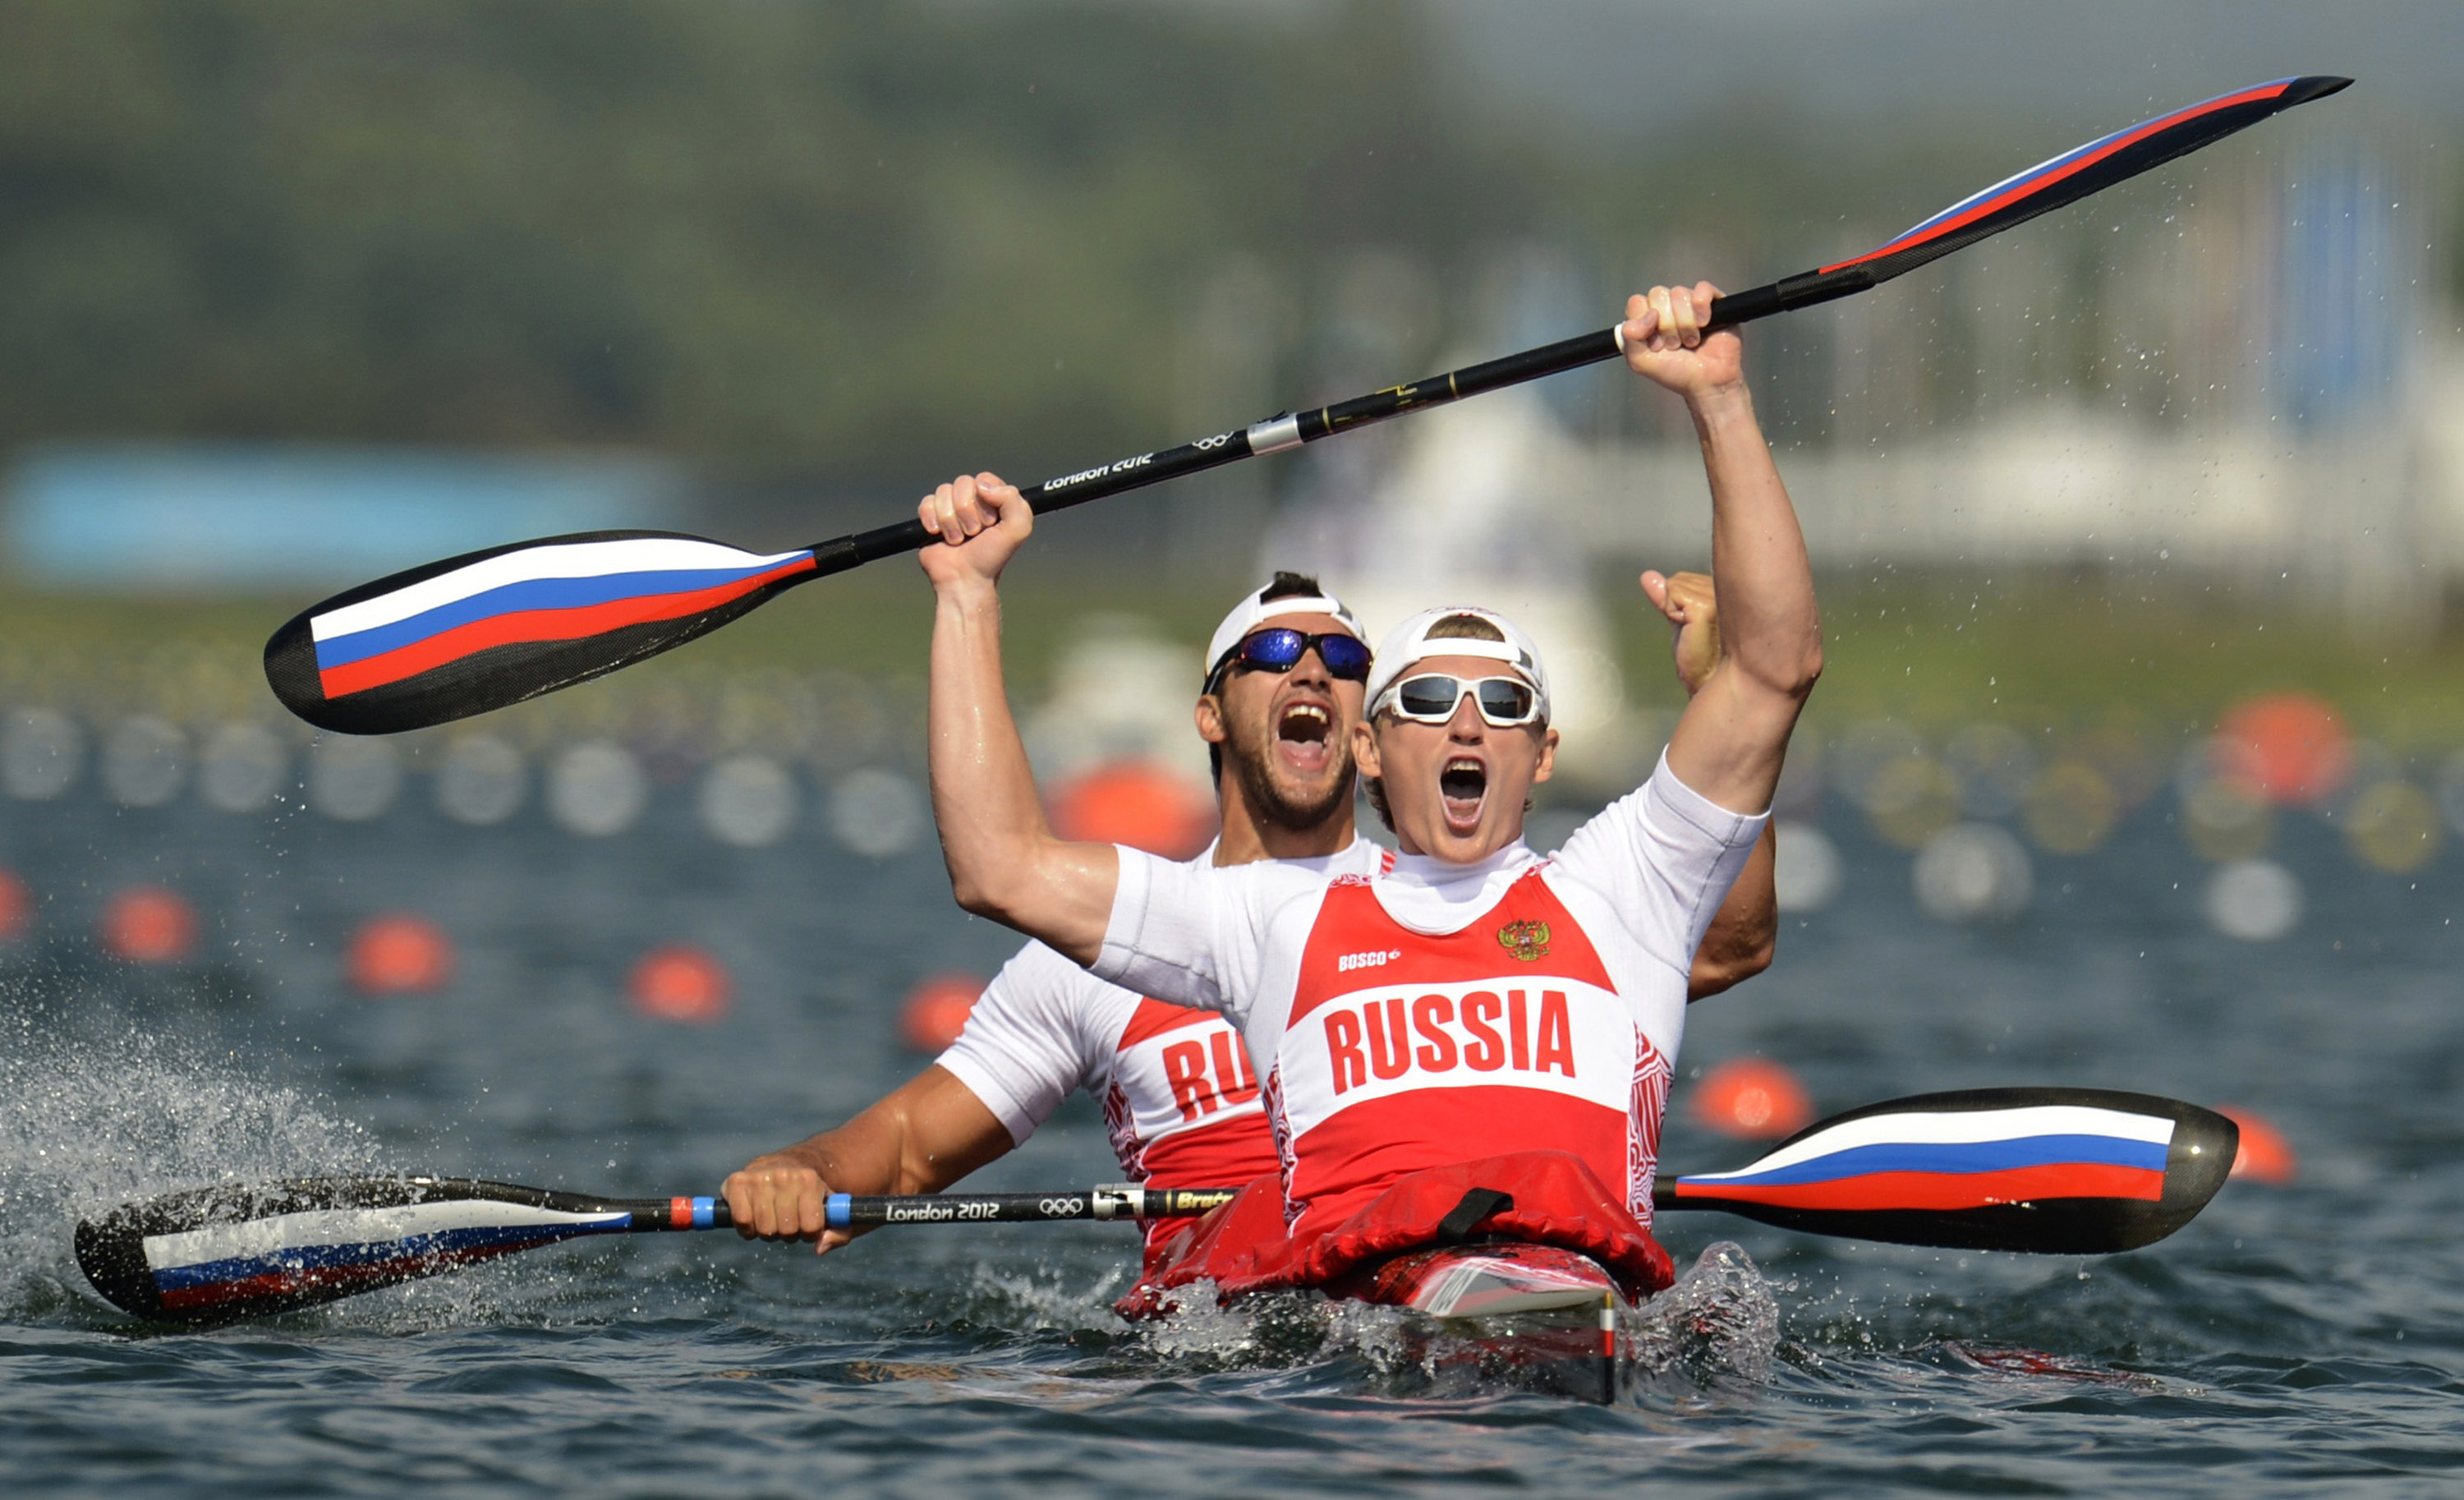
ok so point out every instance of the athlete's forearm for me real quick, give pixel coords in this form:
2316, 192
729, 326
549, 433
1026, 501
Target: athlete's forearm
1004, 860
1730, 745
1770, 628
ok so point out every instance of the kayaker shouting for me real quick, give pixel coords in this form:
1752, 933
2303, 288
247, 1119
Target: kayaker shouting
1278, 705
1479, 1038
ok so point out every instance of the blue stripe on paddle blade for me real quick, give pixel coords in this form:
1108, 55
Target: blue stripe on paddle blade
535, 593
1958, 1156
442, 1244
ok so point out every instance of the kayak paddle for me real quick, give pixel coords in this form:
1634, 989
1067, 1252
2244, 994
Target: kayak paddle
224, 1255
2053, 1171
2049, 1171
490, 629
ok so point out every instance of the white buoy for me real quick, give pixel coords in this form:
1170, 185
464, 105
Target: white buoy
1808, 873
242, 767
1973, 871
2256, 901
876, 813
596, 790
748, 801
144, 760
352, 779
480, 780
41, 751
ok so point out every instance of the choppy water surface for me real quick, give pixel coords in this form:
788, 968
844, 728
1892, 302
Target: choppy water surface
2308, 1340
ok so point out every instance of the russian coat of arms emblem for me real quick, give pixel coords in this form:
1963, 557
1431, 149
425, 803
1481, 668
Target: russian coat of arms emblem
1526, 940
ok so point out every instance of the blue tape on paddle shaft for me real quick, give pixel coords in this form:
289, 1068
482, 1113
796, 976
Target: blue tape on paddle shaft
834, 1211
703, 1212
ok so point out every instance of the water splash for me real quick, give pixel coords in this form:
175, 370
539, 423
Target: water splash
1044, 1302
1716, 1328
89, 1122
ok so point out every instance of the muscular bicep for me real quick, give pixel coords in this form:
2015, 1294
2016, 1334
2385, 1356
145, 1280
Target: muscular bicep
1189, 935
1054, 891
948, 1132
1071, 899
919, 1137
1731, 739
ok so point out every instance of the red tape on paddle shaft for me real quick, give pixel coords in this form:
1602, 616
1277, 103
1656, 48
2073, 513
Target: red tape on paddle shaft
491, 629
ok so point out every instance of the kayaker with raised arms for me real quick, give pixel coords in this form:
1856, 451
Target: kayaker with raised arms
1478, 1040
1179, 1097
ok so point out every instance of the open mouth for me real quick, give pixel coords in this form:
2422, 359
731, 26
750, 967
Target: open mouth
1304, 735
1463, 785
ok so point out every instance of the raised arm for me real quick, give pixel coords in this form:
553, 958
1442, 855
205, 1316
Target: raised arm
1004, 862
1732, 738
1743, 935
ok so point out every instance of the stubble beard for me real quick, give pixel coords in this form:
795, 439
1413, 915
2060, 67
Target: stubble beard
1253, 766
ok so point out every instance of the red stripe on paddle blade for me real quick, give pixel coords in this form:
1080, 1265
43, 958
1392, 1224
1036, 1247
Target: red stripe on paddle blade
529, 625
1939, 1192
297, 1289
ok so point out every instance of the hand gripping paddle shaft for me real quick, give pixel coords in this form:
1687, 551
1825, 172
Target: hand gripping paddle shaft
2057, 1171
491, 629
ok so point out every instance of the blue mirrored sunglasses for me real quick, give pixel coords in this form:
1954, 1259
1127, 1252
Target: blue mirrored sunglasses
1280, 648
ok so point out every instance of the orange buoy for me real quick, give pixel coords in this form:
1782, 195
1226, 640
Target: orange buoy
936, 1010
682, 983
17, 906
400, 953
2266, 1156
2290, 748
147, 924
1136, 803
1754, 1099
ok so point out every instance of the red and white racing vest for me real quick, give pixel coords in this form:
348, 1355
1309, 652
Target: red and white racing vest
1404, 1050
1183, 1106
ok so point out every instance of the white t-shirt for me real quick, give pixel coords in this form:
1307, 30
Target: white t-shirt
1659, 861
1045, 1028
1639, 884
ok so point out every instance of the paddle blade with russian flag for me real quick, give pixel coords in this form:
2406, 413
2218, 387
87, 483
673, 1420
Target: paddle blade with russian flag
2040, 189
2087, 169
2053, 1171
222, 1254
490, 629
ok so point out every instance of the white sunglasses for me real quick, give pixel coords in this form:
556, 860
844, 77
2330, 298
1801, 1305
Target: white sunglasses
1432, 699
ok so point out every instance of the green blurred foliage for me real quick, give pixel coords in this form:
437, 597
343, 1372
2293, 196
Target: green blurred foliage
770, 231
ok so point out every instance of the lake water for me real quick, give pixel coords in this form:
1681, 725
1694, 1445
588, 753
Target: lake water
2307, 1339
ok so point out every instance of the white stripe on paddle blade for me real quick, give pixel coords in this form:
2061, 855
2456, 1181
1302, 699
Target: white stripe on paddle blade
255, 1238
570, 559
1957, 1128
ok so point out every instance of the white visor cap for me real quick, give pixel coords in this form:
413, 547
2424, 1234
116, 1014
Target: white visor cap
1409, 644
1253, 611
